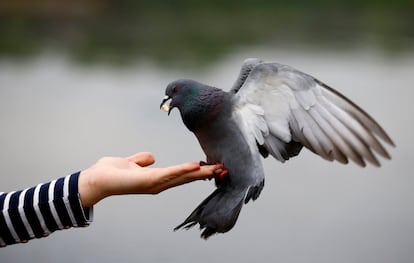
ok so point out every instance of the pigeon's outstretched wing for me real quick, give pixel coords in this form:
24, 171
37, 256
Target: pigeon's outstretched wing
285, 109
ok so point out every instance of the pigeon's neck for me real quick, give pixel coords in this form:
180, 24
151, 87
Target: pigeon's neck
209, 105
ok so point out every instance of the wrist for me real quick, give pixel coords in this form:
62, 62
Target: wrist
88, 193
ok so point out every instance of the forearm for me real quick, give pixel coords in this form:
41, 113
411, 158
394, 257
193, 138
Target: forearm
38, 211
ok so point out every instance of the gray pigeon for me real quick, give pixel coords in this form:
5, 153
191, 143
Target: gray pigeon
272, 109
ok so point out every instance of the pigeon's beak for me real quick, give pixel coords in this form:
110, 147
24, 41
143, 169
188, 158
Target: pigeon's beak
164, 106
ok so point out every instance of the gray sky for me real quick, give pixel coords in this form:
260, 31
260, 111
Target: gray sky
57, 118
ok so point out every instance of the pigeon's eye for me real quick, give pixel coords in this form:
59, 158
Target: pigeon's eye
175, 89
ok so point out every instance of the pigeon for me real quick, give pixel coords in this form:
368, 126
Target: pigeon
271, 110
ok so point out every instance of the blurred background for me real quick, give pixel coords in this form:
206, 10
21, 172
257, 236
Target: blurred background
84, 79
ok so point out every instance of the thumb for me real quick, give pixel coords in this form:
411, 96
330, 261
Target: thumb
142, 158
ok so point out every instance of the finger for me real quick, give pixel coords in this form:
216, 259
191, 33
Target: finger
180, 169
172, 178
142, 158
205, 172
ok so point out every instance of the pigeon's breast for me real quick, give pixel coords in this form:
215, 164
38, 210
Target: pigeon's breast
224, 142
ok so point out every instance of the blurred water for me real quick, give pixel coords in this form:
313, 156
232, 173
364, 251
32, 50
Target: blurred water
57, 118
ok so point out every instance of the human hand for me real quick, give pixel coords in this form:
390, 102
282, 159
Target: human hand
118, 176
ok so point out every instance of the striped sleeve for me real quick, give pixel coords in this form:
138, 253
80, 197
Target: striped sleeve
38, 211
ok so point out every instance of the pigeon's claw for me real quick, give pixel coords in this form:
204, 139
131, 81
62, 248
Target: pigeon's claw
221, 172
202, 163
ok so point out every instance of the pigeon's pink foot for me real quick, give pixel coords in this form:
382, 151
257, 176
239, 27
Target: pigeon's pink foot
221, 172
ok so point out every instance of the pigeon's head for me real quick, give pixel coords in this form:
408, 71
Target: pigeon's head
180, 94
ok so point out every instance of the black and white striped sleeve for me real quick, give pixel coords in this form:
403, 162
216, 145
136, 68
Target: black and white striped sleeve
38, 211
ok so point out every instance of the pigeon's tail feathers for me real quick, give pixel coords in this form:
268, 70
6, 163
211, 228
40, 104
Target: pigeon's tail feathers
254, 192
218, 213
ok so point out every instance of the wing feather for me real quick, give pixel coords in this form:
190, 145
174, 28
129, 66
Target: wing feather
313, 134
354, 110
285, 105
349, 144
355, 125
342, 144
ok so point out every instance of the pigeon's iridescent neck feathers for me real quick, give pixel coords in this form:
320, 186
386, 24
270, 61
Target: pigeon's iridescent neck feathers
199, 104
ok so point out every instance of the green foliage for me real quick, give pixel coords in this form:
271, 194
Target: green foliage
195, 31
